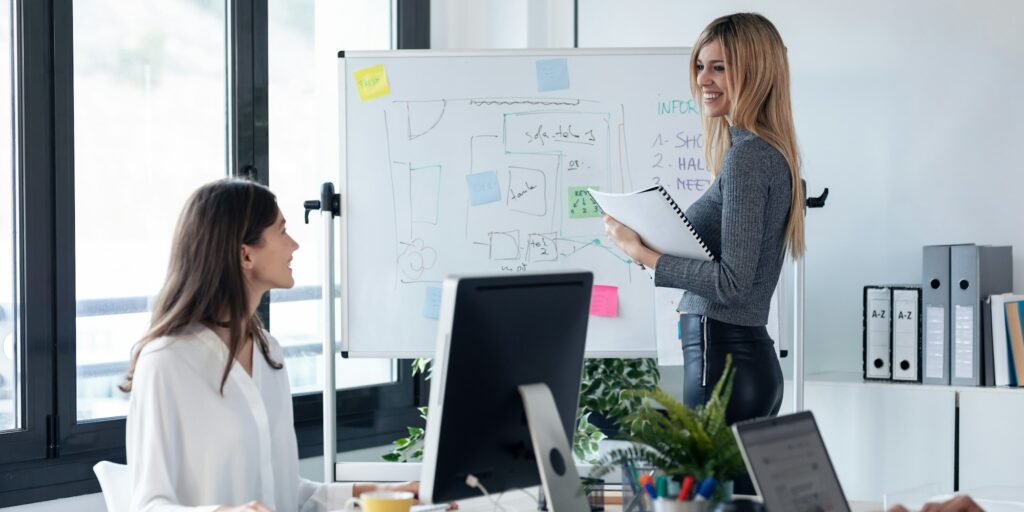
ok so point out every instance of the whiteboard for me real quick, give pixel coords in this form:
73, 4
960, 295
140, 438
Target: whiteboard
515, 132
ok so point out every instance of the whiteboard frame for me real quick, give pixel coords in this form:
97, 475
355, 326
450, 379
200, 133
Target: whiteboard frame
512, 52
343, 171
342, 190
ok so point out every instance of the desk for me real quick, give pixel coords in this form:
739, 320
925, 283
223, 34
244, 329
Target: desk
520, 501
510, 501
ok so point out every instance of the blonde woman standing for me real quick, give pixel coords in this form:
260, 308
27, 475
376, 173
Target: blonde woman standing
749, 217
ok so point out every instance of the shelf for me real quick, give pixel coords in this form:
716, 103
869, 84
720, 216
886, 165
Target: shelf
856, 379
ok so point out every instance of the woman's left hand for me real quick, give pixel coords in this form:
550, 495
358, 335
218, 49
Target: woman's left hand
413, 487
629, 242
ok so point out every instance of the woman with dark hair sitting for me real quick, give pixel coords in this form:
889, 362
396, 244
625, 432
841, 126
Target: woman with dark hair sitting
210, 415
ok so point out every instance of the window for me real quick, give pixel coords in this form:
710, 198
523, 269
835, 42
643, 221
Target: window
156, 87
305, 37
10, 371
115, 112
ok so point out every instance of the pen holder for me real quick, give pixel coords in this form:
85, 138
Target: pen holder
670, 505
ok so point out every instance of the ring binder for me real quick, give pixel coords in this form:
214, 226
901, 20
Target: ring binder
877, 333
682, 215
905, 315
656, 221
935, 301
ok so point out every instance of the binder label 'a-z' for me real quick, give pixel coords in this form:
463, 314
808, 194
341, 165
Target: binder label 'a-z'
905, 334
876, 358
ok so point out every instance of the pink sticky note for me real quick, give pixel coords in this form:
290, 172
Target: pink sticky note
604, 300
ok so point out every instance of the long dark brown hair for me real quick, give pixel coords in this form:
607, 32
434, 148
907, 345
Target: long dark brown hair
205, 283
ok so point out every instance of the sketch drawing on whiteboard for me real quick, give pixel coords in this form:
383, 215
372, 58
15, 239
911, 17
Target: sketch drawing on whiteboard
519, 182
425, 188
540, 102
542, 247
416, 258
423, 116
527, 191
504, 246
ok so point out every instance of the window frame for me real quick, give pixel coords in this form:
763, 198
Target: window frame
33, 160
52, 456
412, 19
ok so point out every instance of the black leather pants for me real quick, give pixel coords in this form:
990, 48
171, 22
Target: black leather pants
757, 387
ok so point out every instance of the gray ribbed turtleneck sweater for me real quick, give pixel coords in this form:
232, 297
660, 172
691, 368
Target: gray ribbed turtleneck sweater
742, 218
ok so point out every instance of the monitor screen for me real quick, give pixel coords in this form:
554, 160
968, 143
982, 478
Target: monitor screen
495, 334
789, 464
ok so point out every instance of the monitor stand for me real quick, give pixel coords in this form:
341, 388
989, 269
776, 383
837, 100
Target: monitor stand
559, 479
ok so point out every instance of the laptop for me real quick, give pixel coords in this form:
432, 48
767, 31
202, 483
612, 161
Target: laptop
788, 462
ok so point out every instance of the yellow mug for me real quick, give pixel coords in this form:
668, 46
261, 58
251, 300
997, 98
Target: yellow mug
382, 501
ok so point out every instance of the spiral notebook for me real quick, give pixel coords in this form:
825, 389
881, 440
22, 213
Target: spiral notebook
659, 221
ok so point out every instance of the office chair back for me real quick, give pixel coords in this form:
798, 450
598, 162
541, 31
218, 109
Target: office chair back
115, 482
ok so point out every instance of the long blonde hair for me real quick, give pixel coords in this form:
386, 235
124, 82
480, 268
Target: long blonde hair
205, 283
758, 73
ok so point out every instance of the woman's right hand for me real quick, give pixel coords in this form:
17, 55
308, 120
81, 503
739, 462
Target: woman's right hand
629, 242
252, 506
961, 503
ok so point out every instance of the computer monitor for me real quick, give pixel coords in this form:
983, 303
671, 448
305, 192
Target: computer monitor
789, 463
497, 334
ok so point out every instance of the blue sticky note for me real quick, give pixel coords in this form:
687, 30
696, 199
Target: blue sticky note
552, 75
432, 303
483, 188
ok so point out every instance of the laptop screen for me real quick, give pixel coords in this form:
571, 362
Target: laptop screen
789, 464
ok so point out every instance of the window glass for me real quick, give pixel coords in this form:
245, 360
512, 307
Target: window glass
150, 127
10, 389
304, 39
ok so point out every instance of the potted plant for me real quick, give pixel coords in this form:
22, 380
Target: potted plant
607, 388
410, 448
678, 440
603, 395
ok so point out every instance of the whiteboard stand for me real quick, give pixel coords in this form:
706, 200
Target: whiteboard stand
329, 206
798, 310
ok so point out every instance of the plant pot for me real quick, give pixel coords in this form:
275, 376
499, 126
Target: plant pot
605, 424
727, 490
669, 505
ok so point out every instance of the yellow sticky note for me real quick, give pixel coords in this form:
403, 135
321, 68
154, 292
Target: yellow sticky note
372, 82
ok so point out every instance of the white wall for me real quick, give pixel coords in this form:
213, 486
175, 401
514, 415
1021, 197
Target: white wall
907, 110
477, 24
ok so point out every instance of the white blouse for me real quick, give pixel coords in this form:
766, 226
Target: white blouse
189, 448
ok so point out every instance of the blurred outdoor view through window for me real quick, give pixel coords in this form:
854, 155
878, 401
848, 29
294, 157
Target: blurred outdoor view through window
150, 127
10, 389
305, 37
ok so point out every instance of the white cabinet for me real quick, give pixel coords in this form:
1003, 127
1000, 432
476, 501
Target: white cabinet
886, 438
991, 438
